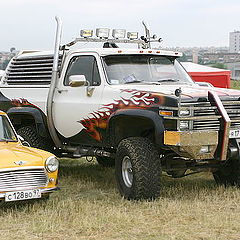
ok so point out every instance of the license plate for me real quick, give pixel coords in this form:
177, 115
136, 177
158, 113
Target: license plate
22, 195
234, 133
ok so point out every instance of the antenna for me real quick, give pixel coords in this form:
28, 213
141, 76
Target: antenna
147, 35
147, 38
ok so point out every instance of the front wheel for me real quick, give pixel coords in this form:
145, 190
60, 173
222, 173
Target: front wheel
138, 169
30, 135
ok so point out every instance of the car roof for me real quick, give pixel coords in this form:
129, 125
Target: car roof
102, 52
2, 113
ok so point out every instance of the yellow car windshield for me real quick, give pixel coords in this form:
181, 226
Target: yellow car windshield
6, 131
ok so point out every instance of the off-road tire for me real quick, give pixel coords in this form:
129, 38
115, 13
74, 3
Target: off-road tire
146, 169
228, 174
105, 161
29, 133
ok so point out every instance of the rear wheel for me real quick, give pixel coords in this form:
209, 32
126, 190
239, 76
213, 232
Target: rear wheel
137, 169
228, 174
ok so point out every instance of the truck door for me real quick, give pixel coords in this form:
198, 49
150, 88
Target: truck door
72, 105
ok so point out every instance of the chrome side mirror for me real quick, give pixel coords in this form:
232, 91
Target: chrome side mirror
77, 80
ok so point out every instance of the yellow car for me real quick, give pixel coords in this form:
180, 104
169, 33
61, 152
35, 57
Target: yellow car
25, 172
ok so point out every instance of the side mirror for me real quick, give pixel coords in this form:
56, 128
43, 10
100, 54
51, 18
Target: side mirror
77, 80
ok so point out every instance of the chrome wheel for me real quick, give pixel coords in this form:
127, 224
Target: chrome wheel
127, 172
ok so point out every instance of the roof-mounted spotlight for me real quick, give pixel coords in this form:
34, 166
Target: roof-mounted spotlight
86, 33
132, 35
119, 33
102, 32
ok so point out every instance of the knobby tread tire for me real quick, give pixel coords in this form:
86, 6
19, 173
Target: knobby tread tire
228, 174
146, 169
29, 133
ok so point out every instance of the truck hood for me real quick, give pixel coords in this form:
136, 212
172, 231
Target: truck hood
13, 153
189, 92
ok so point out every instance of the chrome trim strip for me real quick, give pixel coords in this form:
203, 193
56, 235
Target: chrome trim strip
20, 168
227, 123
194, 118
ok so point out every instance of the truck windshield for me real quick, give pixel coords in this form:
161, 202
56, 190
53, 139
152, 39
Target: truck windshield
6, 132
124, 69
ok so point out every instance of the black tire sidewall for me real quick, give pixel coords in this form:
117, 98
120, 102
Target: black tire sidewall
146, 169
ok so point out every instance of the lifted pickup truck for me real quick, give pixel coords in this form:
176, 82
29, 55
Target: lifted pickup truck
136, 109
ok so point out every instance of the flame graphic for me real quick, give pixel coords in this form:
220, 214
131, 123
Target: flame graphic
98, 119
22, 102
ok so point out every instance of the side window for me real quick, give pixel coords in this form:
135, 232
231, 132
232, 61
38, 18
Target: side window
83, 65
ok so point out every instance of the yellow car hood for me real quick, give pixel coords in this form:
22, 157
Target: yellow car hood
12, 153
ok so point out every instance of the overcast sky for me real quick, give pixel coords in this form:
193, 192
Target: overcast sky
30, 24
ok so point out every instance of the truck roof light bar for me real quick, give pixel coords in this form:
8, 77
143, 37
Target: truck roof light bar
119, 36
136, 41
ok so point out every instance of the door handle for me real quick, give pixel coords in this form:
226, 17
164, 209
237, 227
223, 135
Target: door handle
62, 90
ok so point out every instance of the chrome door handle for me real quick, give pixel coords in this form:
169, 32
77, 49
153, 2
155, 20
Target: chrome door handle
62, 90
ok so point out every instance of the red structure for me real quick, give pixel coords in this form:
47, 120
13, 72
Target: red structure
217, 77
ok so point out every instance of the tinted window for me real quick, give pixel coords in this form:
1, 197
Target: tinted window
6, 131
84, 65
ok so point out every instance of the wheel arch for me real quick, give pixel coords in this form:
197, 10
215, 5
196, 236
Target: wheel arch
139, 122
28, 116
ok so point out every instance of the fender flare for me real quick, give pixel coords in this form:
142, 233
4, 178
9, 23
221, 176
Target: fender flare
156, 120
38, 116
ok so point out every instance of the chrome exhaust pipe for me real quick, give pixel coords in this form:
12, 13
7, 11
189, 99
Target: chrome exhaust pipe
49, 106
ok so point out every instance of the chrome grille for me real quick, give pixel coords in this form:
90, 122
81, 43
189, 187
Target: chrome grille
233, 110
22, 179
210, 117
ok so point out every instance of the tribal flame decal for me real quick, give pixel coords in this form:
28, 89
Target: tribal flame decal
22, 102
99, 119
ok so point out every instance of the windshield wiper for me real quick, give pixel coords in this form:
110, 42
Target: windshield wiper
168, 80
135, 81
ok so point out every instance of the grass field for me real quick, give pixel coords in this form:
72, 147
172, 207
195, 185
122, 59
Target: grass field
89, 207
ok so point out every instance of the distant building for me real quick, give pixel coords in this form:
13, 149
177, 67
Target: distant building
210, 58
234, 42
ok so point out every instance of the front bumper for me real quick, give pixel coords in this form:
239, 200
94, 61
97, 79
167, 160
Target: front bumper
190, 143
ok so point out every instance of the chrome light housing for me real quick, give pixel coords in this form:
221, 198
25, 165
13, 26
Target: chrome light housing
86, 33
119, 33
102, 32
183, 125
184, 112
132, 35
52, 164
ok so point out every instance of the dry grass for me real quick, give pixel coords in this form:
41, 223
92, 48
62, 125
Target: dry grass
89, 207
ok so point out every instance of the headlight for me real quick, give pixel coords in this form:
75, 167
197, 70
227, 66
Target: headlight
51, 164
184, 125
185, 112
